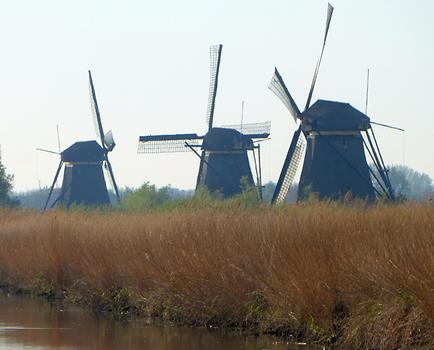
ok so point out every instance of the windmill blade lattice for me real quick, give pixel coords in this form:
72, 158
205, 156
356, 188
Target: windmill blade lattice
95, 112
167, 143
106, 167
251, 128
315, 75
111, 176
292, 161
215, 59
278, 87
107, 141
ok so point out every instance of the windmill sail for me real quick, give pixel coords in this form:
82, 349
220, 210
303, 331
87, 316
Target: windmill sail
215, 58
167, 143
53, 184
112, 179
109, 141
315, 75
297, 146
387, 126
47, 151
290, 167
279, 89
95, 111
262, 129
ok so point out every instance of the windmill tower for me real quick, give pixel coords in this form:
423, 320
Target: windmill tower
83, 177
224, 161
330, 137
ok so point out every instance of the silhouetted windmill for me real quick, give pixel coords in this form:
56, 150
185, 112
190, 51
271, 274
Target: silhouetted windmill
334, 162
223, 158
83, 177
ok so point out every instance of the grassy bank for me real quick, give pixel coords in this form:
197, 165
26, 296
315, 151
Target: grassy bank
361, 277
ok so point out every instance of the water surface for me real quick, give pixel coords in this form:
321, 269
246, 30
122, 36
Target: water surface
28, 323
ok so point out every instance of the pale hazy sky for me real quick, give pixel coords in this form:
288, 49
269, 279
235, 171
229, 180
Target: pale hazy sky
150, 65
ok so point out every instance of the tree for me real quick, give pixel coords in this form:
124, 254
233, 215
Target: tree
147, 197
6, 185
410, 183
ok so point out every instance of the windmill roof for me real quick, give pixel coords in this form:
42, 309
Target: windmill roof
83, 151
330, 115
226, 139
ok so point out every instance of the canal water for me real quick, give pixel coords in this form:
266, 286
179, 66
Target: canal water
28, 323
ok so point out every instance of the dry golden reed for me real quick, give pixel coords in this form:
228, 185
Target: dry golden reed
361, 277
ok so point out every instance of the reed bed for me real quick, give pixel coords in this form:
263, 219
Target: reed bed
358, 277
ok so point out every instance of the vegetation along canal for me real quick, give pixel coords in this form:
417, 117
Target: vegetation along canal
29, 323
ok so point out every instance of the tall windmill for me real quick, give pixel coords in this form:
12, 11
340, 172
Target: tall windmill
224, 161
83, 177
330, 137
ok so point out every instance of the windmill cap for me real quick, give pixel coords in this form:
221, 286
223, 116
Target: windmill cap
83, 151
330, 116
225, 139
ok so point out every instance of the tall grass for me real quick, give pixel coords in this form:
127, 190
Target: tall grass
361, 277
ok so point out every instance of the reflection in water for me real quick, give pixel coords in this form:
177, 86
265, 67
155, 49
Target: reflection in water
27, 323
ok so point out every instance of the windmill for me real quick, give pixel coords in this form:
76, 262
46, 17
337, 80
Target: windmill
330, 137
224, 162
83, 177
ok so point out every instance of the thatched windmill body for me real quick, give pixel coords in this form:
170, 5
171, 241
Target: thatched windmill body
224, 164
333, 137
83, 177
